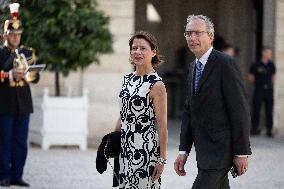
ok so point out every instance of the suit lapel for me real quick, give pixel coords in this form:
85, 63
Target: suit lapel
190, 79
208, 68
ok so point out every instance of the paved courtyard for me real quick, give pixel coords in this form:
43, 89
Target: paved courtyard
69, 168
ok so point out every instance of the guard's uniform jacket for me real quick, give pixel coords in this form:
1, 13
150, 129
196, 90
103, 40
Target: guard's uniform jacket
15, 96
263, 93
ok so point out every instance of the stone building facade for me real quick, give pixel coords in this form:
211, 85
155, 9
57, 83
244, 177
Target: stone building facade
248, 25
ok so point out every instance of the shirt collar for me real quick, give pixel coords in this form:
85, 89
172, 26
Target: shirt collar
204, 57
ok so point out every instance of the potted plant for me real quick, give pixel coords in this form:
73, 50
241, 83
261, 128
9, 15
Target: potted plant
69, 35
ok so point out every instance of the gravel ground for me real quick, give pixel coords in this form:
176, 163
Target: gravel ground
62, 168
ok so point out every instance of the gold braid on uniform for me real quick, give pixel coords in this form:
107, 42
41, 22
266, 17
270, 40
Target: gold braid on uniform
30, 76
32, 59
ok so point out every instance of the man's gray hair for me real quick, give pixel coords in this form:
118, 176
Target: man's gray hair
208, 22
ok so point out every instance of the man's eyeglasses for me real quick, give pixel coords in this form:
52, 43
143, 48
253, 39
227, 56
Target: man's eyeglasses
193, 33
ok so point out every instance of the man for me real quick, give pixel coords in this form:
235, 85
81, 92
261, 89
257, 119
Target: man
216, 116
262, 75
16, 103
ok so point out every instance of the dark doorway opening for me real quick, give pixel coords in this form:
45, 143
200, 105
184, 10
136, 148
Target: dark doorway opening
258, 6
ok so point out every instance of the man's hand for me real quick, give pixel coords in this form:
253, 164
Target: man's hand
179, 164
18, 74
241, 164
158, 171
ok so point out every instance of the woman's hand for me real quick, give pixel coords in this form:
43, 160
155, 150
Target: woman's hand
159, 168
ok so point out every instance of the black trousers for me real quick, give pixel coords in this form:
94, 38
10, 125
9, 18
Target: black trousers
212, 179
262, 96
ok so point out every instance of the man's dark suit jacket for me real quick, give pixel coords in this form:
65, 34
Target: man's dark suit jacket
216, 119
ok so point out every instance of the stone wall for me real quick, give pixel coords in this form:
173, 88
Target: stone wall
279, 61
102, 81
233, 20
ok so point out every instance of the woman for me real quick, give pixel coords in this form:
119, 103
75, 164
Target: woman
143, 118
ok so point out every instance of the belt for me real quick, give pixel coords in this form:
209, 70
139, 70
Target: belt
20, 83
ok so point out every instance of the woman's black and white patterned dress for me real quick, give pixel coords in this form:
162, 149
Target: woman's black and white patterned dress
139, 139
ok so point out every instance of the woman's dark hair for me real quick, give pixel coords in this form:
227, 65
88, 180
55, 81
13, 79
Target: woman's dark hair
153, 44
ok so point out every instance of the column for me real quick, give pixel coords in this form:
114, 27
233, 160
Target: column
279, 61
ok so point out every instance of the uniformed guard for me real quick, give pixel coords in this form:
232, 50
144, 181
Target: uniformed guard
15, 100
262, 75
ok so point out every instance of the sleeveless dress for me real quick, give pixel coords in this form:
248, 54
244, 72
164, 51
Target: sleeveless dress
139, 138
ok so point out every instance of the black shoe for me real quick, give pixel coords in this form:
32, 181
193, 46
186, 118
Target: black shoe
269, 134
20, 183
5, 182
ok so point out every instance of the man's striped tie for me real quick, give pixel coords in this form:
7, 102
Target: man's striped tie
198, 72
